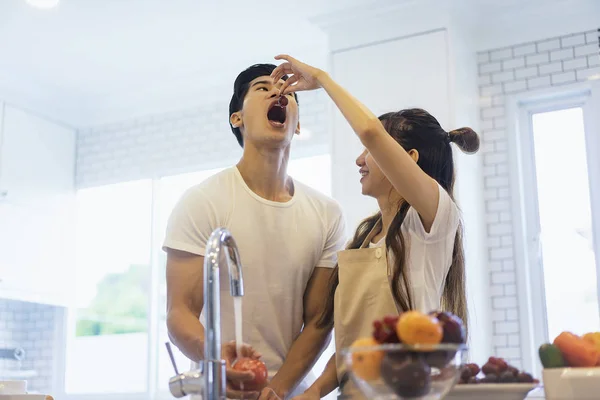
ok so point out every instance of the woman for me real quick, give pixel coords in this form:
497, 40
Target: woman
408, 167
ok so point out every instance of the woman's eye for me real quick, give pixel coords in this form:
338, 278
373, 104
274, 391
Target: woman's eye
263, 88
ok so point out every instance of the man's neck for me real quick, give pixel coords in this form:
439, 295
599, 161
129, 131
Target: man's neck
265, 172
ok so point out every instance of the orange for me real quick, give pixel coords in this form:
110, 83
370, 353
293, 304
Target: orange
577, 351
414, 327
366, 364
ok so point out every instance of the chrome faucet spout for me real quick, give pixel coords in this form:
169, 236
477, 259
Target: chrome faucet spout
220, 246
214, 368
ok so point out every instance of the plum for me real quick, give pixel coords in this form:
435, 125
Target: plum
406, 376
474, 369
524, 377
466, 374
491, 378
507, 377
513, 370
489, 368
439, 358
499, 362
453, 327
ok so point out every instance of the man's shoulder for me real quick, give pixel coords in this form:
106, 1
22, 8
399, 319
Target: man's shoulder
216, 182
213, 189
320, 200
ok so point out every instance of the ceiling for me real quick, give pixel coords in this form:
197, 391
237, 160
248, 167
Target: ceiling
91, 50
87, 59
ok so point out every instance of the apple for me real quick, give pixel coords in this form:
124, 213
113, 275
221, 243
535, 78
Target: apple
258, 368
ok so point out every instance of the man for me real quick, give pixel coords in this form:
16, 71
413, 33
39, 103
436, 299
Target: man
287, 233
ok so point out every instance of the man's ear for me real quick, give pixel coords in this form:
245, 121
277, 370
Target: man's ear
298, 129
235, 119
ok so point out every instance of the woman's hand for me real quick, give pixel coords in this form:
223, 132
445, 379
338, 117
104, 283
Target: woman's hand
303, 76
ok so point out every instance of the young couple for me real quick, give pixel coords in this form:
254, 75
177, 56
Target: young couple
299, 282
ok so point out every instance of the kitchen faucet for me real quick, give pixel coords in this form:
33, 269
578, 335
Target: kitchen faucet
210, 379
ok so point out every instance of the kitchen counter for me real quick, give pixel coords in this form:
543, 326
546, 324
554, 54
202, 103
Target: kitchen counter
537, 394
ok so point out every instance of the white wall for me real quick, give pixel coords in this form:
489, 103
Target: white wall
532, 21
31, 327
181, 141
464, 103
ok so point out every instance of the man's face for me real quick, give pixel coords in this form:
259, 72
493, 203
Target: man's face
262, 119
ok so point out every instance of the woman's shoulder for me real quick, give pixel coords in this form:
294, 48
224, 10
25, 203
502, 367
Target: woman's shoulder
445, 223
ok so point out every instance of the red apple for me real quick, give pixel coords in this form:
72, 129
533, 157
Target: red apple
258, 368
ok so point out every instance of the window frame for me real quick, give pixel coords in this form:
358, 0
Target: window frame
527, 247
65, 327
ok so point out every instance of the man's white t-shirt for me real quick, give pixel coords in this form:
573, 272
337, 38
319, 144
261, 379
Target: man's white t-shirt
429, 253
279, 245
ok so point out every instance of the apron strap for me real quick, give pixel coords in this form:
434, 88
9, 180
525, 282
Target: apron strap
374, 231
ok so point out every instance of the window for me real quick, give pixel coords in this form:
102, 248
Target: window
117, 331
313, 171
169, 191
108, 336
565, 217
556, 185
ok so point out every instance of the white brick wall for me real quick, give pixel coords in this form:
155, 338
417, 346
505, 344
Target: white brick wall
31, 327
178, 142
547, 63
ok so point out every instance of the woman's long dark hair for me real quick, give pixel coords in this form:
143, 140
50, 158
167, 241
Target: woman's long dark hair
419, 130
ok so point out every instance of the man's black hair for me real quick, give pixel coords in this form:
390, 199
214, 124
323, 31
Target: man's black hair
240, 88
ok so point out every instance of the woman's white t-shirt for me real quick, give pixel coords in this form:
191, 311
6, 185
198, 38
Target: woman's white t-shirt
429, 253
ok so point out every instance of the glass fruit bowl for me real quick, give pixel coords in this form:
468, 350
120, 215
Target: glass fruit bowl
400, 371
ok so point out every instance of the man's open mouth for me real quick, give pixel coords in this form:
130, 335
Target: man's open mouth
277, 113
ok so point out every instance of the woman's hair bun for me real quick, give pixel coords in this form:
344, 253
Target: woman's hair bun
466, 139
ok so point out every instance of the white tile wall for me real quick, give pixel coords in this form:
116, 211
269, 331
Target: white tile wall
31, 327
547, 63
183, 141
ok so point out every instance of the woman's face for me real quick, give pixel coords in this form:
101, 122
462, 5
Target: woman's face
374, 183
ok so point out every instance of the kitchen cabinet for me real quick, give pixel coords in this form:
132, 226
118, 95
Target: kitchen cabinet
37, 208
37, 159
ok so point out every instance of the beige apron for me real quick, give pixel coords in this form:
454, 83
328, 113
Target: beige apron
363, 295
